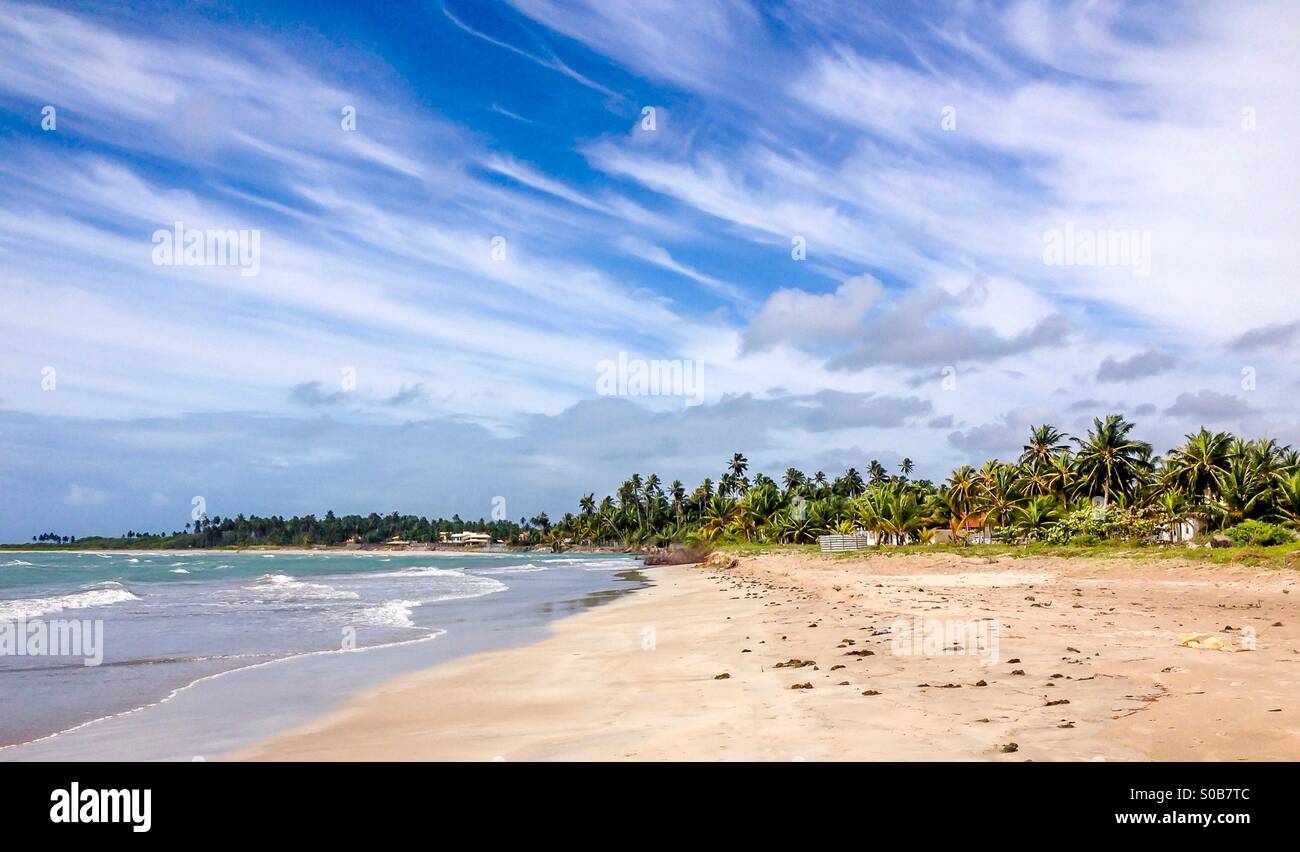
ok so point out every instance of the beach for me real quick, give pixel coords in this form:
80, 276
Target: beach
794, 657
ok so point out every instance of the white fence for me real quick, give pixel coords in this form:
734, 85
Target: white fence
833, 543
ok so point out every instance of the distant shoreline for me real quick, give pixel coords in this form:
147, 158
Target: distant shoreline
308, 551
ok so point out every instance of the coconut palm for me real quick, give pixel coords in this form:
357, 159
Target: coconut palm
1109, 460
1287, 499
1243, 492
1194, 466
793, 479
1045, 442
852, 482
906, 466
1031, 520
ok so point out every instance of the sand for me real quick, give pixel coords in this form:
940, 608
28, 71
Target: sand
1088, 667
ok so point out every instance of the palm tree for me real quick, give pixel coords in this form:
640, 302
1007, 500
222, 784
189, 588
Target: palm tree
679, 497
1032, 520
1171, 510
1194, 466
1058, 476
1045, 442
1287, 499
793, 479
1000, 492
906, 466
853, 484
1243, 491
587, 503
719, 517
1109, 460
877, 471
738, 465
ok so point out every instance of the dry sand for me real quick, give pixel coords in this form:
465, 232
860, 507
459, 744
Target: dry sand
640, 678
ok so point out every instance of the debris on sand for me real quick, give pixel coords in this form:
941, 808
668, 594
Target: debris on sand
795, 663
1206, 641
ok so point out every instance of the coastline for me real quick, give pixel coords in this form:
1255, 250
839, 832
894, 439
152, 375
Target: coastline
201, 703
1089, 667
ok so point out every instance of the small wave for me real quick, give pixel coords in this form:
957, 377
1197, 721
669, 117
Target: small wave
103, 595
284, 587
422, 571
526, 568
390, 614
179, 571
15, 563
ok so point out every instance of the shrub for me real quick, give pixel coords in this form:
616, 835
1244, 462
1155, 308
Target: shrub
1091, 525
1258, 533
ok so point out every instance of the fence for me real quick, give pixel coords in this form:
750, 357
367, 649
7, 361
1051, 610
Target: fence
833, 543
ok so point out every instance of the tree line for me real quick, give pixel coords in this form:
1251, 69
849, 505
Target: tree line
1106, 484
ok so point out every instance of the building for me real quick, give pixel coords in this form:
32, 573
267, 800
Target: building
467, 539
1184, 530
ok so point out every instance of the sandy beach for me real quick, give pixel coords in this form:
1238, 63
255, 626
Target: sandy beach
790, 657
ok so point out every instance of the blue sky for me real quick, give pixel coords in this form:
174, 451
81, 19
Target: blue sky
922, 154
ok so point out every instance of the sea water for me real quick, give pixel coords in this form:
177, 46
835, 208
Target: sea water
204, 652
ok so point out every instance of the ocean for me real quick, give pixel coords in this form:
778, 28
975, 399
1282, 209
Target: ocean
202, 653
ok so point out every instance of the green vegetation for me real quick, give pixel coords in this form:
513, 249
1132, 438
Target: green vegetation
1105, 490
1259, 534
276, 531
1102, 493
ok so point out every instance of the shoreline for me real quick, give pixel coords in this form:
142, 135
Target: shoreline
308, 551
211, 713
1089, 667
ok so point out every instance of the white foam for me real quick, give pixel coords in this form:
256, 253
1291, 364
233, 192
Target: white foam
390, 614
14, 563
526, 568
284, 587
421, 571
105, 594
179, 571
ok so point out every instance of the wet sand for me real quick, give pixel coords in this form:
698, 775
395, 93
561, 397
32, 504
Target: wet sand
793, 657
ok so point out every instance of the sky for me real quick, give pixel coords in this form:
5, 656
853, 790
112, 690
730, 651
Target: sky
859, 231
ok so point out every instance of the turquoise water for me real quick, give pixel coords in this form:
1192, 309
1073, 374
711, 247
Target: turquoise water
267, 638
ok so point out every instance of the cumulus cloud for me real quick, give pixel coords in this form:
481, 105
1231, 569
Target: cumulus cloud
810, 320
1140, 365
1266, 336
1209, 405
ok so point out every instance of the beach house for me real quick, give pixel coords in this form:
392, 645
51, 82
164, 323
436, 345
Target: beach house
467, 539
